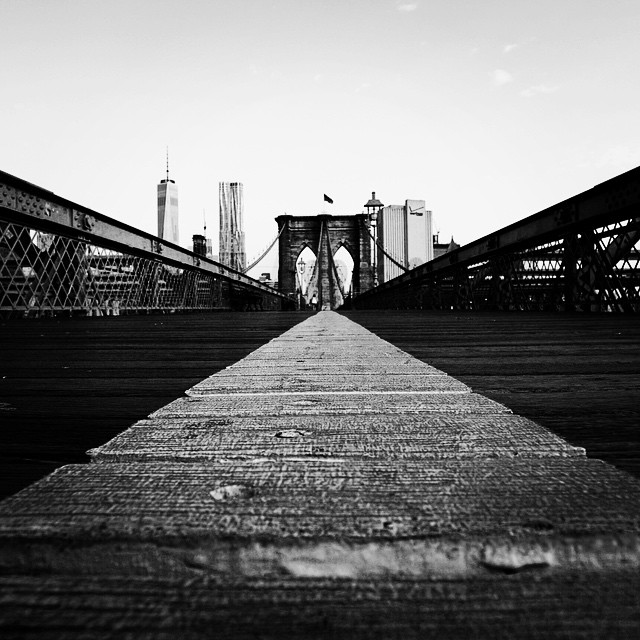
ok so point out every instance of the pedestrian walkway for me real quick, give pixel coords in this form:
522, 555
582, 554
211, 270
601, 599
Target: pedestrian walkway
327, 485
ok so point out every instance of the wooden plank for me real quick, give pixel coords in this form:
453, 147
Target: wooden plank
338, 498
306, 382
573, 373
296, 403
323, 510
68, 384
574, 604
400, 436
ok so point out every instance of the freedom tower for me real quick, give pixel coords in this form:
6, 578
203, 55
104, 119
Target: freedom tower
168, 209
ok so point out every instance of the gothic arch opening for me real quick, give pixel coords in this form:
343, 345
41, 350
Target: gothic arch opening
312, 240
306, 274
344, 266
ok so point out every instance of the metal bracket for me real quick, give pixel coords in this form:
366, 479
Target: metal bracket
84, 221
566, 214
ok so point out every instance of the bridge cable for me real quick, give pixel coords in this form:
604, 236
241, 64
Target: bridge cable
405, 269
334, 268
313, 280
255, 262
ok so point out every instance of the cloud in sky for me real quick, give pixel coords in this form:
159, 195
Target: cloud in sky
501, 77
509, 47
537, 89
406, 7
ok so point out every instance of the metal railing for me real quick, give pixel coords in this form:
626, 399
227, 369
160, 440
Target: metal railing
582, 254
58, 257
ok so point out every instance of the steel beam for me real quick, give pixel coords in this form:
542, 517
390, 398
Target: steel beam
34, 207
612, 202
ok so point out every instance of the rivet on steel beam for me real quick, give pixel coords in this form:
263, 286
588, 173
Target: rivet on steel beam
88, 222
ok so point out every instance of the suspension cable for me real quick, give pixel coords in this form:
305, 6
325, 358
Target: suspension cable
334, 268
383, 249
255, 262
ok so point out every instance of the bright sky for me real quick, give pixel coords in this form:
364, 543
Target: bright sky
489, 110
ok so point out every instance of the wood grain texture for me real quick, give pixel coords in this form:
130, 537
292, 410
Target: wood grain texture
67, 385
400, 436
576, 604
296, 403
325, 498
576, 374
347, 505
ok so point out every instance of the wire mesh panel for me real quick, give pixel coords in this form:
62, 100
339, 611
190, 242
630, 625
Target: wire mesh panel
43, 273
57, 256
582, 254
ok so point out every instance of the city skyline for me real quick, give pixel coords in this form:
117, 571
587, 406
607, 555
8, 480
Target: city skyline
489, 111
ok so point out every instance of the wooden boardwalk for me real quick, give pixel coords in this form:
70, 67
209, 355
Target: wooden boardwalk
327, 485
67, 385
576, 374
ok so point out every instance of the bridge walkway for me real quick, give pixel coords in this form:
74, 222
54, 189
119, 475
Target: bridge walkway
326, 485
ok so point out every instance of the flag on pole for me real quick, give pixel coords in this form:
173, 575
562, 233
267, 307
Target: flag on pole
328, 199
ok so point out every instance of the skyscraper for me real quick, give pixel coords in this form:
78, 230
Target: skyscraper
392, 236
419, 233
168, 209
404, 234
232, 250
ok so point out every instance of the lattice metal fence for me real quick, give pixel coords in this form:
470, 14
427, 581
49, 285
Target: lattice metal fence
591, 271
42, 273
582, 255
59, 258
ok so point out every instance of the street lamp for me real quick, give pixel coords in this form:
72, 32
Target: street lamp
373, 207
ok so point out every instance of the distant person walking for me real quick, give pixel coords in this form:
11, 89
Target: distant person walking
314, 302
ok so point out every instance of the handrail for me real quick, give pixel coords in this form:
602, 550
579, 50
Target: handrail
30, 205
605, 203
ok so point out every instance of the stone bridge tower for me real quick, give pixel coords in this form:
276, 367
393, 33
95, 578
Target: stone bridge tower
324, 235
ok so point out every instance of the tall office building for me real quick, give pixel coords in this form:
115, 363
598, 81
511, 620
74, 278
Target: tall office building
232, 249
419, 233
404, 234
168, 209
392, 237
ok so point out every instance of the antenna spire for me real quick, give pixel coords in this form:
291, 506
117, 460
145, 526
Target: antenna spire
204, 217
167, 163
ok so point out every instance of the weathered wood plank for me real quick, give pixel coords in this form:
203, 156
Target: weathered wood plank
325, 498
70, 384
400, 436
296, 403
573, 373
381, 509
327, 383
576, 604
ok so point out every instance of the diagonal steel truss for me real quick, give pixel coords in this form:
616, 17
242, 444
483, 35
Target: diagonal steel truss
581, 255
43, 273
57, 257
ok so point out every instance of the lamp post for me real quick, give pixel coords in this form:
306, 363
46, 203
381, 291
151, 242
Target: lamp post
373, 207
